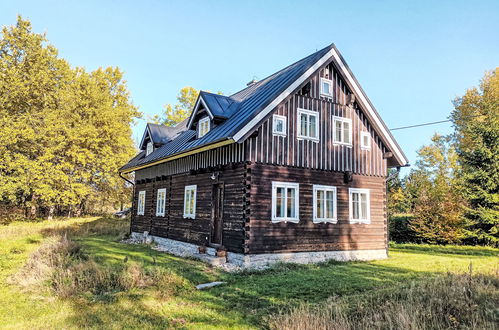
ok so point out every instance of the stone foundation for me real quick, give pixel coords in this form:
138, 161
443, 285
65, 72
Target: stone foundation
256, 261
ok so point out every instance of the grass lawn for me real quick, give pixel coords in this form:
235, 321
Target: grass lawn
245, 301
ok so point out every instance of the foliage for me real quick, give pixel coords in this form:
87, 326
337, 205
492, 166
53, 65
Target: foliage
174, 114
64, 132
399, 228
476, 122
245, 301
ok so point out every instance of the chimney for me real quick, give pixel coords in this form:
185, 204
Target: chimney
252, 82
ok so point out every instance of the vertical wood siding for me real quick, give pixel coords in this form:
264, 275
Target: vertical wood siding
264, 147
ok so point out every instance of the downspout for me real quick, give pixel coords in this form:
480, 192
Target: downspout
133, 194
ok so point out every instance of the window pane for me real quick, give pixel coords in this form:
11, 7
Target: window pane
320, 203
313, 124
279, 212
338, 131
346, 132
325, 87
303, 126
279, 126
363, 206
355, 205
329, 204
366, 140
192, 201
187, 202
291, 203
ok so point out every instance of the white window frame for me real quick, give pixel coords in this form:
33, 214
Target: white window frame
285, 185
141, 202
202, 121
362, 145
343, 120
192, 214
317, 188
149, 148
161, 203
309, 113
330, 82
275, 118
351, 191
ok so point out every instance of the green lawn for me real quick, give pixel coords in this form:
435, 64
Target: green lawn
245, 301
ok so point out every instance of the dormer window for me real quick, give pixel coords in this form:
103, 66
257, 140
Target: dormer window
149, 148
203, 126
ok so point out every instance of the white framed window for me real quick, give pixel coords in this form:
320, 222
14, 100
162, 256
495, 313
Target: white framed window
324, 204
204, 126
360, 210
326, 87
161, 202
141, 204
308, 124
279, 125
285, 201
365, 140
342, 130
190, 201
149, 148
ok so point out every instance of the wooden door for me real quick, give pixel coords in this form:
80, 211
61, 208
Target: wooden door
217, 213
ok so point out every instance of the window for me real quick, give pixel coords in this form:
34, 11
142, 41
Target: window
365, 140
326, 87
324, 204
190, 202
285, 201
160, 203
308, 124
342, 130
141, 203
359, 205
150, 148
279, 125
204, 126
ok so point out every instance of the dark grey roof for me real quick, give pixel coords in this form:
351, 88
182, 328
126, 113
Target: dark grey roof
239, 108
161, 134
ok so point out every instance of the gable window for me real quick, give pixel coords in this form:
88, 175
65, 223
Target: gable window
326, 87
285, 201
359, 205
365, 140
279, 125
149, 148
204, 126
160, 203
308, 124
342, 130
141, 203
190, 202
324, 204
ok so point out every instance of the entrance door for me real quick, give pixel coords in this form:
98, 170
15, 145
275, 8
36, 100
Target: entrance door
217, 213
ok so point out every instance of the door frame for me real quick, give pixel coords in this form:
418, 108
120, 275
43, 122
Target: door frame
217, 211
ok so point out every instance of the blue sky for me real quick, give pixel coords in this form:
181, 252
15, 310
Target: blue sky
411, 57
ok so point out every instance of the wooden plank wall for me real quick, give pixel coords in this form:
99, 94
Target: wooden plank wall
325, 155
267, 237
198, 230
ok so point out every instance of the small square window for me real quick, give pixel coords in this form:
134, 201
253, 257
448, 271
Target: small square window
359, 205
141, 202
342, 130
365, 141
279, 125
190, 202
326, 87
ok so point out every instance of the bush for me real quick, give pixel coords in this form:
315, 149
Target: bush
445, 302
399, 230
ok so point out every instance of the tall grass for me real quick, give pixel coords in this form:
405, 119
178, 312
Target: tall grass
446, 302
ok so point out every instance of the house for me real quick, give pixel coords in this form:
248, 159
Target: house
291, 168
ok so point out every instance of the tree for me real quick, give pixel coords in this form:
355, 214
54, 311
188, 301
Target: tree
476, 123
63, 132
438, 214
174, 114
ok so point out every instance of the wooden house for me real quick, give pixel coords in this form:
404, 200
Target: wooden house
291, 168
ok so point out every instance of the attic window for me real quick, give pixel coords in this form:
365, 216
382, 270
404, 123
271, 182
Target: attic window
279, 125
326, 87
203, 126
149, 148
365, 141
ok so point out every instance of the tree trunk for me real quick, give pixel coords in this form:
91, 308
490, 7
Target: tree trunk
34, 208
51, 212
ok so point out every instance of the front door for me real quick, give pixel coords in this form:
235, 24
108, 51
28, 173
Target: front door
217, 213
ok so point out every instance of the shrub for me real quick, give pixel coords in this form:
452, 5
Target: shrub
399, 230
445, 302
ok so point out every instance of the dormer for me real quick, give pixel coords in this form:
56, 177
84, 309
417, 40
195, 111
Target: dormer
156, 135
209, 111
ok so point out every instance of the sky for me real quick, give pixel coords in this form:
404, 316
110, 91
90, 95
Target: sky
412, 58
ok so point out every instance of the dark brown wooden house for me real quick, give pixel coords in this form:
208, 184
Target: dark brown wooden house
291, 168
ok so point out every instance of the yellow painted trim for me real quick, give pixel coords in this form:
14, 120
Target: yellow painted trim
185, 154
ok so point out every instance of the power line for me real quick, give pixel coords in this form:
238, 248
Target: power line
431, 123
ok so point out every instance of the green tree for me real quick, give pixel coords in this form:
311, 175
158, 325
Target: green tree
476, 122
438, 214
174, 114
